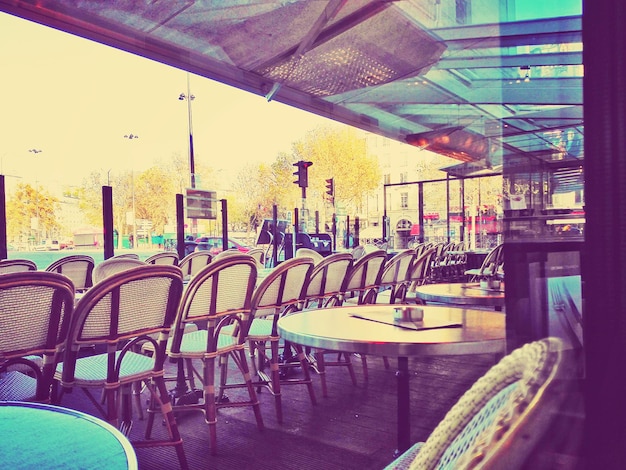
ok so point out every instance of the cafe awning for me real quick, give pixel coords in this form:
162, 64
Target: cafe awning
479, 84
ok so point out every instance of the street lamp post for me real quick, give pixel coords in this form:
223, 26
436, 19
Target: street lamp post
131, 137
192, 164
38, 229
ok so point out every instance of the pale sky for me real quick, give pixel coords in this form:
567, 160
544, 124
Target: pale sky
74, 100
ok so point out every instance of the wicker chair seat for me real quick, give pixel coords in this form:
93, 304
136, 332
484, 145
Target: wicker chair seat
91, 371
499, 420
261, 330
194, 345
15, 385
468, 436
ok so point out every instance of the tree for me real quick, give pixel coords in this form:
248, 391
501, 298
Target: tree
30, 212
91, 200
155, 199
259, 187
340, 154
335, 153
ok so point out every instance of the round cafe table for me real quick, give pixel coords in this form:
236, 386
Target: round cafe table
38, 436
371, 329
461, 293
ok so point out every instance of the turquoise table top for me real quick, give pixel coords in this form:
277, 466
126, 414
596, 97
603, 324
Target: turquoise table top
38, 436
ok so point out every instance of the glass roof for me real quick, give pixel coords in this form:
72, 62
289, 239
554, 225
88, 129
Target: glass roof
485, 81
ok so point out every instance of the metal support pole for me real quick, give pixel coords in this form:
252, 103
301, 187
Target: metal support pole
403, 406
107, 221
296, 230
334, 231
224, 223
462, 204
3, 220
304, 214
448, 206
180, 226
420, 210
385, 232
275, 235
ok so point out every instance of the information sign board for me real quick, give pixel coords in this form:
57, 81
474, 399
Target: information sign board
201, 204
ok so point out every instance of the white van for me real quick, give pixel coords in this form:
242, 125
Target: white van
48, 245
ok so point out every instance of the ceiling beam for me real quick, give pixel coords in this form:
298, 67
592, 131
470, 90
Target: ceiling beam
500, 61
562, 30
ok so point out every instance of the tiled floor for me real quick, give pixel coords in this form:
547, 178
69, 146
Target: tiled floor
353, 428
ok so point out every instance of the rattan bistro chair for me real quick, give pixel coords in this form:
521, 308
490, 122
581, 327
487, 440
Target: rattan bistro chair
310, 253
499, 420
491, 265
259, 255
16, 266
194, 262
35, 308
280, 293
364, 278
113, 266
163, 257
119, 313
79, 268
394, 280
127, 256
325, 288
419, 275
363, 283
220, 296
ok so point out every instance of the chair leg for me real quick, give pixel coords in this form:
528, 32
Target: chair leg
210, 409
223, 378
111, 409
126, 408
137, 396
159, 394
364, 364
256, 407
348, 360
307, 373
275, 381
321, 369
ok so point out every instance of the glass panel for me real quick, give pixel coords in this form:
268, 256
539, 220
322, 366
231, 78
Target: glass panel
483, 212
435, 212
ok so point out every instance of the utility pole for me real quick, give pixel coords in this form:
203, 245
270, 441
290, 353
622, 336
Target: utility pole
192, 163
131, 137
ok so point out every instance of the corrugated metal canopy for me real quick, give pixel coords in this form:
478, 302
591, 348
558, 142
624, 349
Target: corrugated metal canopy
507, 73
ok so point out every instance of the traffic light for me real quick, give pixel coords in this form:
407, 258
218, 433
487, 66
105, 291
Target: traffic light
302, 173
330, 190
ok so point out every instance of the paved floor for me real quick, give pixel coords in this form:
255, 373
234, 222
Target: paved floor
353, 428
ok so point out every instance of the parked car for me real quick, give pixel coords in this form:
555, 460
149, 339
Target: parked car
48, 245
214, 245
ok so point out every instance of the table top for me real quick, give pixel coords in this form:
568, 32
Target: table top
469, 252
461, 293
482, 331
47, 436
